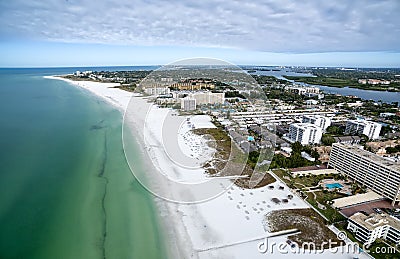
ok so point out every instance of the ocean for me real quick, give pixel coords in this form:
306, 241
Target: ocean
66, 190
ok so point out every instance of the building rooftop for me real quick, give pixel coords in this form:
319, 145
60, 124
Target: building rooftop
356, 199
347, 138
314, 172
363, 122
373, 157
305, 125
316, 116
375, 220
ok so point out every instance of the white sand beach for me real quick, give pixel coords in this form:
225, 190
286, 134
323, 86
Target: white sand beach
232, 224
117, 97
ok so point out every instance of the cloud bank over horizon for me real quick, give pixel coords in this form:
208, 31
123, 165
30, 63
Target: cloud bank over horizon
268, 26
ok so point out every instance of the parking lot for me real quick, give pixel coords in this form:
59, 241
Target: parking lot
367, 207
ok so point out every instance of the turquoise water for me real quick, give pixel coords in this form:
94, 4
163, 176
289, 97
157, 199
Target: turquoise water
333, 185
65, 188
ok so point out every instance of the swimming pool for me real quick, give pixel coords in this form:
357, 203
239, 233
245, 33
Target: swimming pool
333, 185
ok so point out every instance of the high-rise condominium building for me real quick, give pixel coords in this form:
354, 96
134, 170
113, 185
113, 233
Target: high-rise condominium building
318, 120
188, 104
375, 172
368, 128
305, 133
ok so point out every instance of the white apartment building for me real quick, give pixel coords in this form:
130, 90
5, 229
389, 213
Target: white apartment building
377, 173
305, 133
188, 104
207, 97
318, 120
369, 228
156, 90
368, 128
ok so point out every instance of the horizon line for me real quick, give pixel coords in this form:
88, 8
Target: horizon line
241, 65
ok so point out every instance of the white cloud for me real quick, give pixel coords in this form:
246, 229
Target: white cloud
275, 26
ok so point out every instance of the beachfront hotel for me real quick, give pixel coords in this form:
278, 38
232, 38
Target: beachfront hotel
305, 133
368, 128
377, 173
369, 228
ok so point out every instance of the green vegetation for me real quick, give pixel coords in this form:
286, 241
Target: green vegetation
238, 163
253, 158
76, 78
328, 81
372, 108
385, 129
342, 227
310, 223
245, 182
392, 150
304, 181
382, 250
284, 95
268, 80
341, 78
338, 82
129, 87
222, 146
295, 160
356, 189
315, 197
333, 99
327, 139
335, 130
308, 149
233, 94
324, 198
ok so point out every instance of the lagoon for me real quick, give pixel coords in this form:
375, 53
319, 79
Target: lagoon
384, 96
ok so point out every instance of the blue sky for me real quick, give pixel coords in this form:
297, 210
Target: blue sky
286, 32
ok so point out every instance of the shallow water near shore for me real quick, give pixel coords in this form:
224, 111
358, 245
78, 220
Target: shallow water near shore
65, 188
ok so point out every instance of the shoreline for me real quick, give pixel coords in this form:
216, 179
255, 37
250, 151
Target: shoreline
174, 234
197, 230
107, 91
